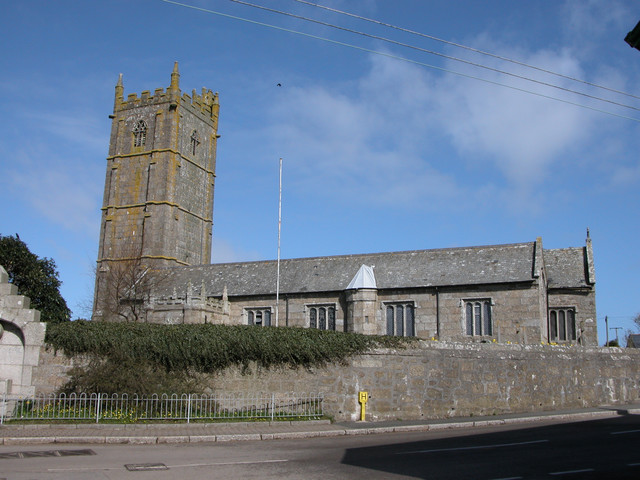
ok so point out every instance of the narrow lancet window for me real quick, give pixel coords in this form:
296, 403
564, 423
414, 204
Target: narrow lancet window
195, 141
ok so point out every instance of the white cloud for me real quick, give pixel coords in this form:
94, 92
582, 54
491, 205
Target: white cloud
64, 197
521, 133
56, 169
379, 144
224, 252
371, 147
404, 136
82, 130
586, 18
624, 176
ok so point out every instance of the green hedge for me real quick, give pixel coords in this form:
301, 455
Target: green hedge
210, 348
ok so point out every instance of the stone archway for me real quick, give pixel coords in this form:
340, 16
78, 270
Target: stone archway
21, 337
11, 356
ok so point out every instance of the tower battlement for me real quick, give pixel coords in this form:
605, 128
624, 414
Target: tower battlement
205, 104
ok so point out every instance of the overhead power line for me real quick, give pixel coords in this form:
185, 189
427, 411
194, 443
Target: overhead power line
475, 50
431, 52
397, 57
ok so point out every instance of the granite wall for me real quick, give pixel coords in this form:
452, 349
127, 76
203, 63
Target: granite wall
439, 380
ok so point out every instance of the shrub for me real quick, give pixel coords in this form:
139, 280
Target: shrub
153, 358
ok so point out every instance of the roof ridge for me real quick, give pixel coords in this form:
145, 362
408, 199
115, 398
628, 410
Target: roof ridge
358, 255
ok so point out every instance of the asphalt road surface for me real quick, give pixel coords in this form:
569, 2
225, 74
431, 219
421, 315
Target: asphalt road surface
599, 449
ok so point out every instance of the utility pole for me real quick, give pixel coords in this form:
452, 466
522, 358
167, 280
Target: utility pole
279, 228
606, 327
616, 329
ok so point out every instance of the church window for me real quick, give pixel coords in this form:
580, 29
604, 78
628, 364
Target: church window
562, 324
322, 317
400, 319
140, 133
478, 318
195, 141
260, 316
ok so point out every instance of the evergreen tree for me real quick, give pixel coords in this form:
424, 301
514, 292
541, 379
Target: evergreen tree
35, 277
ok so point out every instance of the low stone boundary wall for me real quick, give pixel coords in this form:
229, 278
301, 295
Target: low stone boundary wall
439, 380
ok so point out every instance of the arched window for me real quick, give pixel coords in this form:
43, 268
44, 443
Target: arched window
562, 324
260, 316
469, 318
140, 133
322, 317
401, 319
332, 319
313, 318
478, 321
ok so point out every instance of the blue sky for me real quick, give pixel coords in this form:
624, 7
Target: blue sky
380, 154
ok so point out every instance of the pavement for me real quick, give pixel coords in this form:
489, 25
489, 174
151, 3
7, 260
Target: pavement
159, 433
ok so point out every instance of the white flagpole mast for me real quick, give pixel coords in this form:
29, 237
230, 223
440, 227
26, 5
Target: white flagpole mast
279, 228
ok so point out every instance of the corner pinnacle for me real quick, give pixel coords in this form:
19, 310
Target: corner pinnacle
119, 93
175, 78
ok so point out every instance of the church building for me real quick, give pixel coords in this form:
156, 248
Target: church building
155, 243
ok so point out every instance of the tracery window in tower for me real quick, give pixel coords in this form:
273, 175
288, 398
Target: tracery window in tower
195, 141
140, 133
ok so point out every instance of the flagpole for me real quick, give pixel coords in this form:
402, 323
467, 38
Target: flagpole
279, 228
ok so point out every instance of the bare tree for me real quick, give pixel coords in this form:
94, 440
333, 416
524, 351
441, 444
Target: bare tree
629, 332
124, 290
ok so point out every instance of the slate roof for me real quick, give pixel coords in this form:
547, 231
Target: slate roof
566, 268
418, 268
633, 341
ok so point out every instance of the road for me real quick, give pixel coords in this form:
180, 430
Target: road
599, 449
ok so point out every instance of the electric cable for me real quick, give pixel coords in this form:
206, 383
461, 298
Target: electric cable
431, 52
475, 50
397, 57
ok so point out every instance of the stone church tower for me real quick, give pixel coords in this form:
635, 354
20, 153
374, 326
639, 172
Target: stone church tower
158, 198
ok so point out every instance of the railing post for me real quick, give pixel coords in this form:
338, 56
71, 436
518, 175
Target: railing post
98, 405
189, 408
273, 405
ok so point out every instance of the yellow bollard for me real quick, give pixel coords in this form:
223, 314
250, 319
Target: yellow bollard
362, 398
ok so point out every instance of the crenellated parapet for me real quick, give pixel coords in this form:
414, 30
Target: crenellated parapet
204, 104
191, 307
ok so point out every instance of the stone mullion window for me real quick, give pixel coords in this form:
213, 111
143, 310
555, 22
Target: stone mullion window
469, 317
313, 318
322, 317
478, 319
331, 325
553, 325
487, 327
562, 324
260, 316
400, 319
